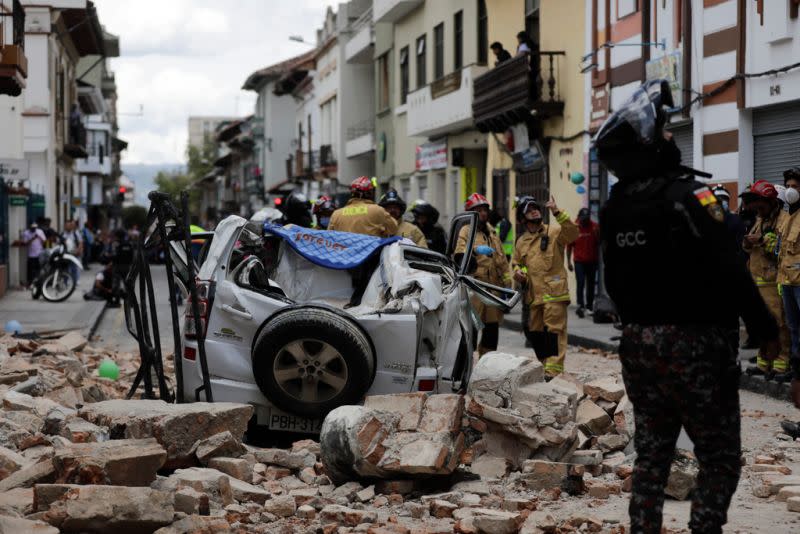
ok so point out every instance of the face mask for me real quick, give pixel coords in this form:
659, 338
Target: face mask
323, 221
792, 196
725, 205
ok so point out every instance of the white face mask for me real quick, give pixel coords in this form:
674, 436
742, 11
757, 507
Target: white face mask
792, 196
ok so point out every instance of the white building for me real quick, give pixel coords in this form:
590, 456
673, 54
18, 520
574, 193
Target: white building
55, 137
203, 128
274, 120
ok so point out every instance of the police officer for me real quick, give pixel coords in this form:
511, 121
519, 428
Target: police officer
491, 267
361, 215
666, 253
761, 245
539, 264
426, 217
396, 206
323, 210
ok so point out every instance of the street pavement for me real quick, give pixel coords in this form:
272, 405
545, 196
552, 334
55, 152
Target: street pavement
41, 316
112, 333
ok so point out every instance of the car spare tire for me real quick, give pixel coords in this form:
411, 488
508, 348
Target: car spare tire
308, 361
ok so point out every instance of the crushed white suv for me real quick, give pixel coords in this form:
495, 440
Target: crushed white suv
279, 335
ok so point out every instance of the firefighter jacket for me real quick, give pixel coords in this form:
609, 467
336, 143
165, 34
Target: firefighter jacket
541, 255
411, 231
763, 261
789, 250
362, 216
492, 269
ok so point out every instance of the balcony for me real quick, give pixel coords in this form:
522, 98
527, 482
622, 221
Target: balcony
443, 106
75, 147
393, 10
360, 139
509, 94
96, 162
13, 70
359, 48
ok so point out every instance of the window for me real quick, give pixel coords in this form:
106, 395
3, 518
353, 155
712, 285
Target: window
403, 75
438, 51
383, 82
458, 40
483, 32
626, 7
421, 66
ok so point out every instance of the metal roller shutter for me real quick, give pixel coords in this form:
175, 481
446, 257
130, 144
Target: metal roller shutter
684, 138
776, 141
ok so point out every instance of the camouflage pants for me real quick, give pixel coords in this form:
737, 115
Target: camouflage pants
682, 376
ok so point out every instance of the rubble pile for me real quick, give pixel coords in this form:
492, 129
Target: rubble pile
505, 458
770, 478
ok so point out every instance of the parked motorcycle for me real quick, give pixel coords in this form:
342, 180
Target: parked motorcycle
55, 283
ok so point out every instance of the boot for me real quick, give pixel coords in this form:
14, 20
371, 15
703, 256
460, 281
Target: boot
791, 428
756, 371
580, 312
783, 378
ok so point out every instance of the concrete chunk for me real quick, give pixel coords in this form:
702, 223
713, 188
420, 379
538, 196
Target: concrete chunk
407, 405
605, 388
103, 509
128, 462
177, 427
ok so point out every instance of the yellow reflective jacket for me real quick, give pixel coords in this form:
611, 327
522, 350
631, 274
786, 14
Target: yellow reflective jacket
547, 276
361, 216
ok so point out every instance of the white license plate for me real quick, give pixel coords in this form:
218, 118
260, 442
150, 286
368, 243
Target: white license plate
285, 422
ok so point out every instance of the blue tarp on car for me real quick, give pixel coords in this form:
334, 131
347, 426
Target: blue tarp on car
335, 250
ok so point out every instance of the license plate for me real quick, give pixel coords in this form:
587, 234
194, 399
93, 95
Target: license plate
285, 422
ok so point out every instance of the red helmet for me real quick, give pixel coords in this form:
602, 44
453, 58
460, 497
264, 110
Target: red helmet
363, 186
323, 203
764, 189
475, 201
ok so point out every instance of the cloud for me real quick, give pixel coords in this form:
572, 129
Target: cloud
190, 57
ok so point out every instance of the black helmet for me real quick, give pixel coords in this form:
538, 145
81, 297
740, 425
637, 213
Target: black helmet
297, 210
631, 141
422, 207
523, 204
391, 197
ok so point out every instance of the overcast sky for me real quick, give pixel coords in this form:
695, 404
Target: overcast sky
190, 57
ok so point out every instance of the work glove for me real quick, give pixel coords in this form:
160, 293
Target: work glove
484, 250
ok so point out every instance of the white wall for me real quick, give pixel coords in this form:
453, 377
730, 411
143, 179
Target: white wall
279, 125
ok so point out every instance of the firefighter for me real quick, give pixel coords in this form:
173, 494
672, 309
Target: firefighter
396, 207
322, 210
296, 210
761, 245
426, 218
361, 215
491, 266
539, 264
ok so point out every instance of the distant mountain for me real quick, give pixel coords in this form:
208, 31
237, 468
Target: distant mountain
142, 174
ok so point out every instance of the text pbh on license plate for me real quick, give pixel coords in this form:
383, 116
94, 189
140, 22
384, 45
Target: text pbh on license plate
285, 422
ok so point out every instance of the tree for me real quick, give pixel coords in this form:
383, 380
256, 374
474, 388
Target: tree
200, 161
173, 183
134, 215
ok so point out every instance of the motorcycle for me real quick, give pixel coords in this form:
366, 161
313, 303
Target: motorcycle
55, 283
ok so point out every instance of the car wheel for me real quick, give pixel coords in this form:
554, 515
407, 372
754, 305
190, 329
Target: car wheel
308, 361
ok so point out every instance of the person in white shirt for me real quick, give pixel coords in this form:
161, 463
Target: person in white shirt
73, 243
34, 239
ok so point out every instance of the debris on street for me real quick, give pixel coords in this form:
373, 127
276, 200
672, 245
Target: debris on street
515, 454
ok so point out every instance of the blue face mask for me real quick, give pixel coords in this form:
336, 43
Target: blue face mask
323, 221
725, 205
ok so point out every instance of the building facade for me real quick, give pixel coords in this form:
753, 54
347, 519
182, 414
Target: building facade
203, 129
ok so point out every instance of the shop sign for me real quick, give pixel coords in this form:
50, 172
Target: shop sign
14, 169
668, 67
17, 200
432, 155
